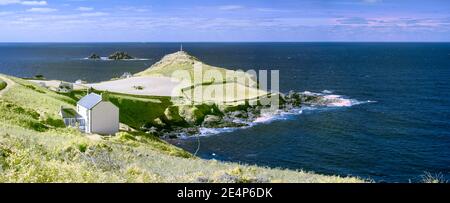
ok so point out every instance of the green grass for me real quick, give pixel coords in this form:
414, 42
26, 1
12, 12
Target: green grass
69, 113
28, 156
29, 95
2, 84
138, 112
35, 148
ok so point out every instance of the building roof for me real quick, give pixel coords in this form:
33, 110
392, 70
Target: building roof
90, 100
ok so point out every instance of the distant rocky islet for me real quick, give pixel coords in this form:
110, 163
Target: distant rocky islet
118, 55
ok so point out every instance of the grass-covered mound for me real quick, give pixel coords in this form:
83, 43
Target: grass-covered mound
181, 61
35, 147
214, 82
175, 62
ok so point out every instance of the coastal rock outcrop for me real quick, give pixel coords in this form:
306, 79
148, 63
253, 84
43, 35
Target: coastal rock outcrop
211, 120
188, 120
94, 56
159, 123
191, 114
120, 56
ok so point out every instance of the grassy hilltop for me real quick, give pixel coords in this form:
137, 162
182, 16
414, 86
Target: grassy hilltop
175, 62
217, 80
35, 146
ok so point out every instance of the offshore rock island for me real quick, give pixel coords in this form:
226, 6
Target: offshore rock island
118, 55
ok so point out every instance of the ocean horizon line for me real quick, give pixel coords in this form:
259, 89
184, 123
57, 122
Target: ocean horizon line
224, 42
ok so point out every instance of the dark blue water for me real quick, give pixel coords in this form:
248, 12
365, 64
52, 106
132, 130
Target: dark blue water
396, 139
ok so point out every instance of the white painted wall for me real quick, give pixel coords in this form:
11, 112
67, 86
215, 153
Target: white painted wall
82, 111
85, 114
104, 118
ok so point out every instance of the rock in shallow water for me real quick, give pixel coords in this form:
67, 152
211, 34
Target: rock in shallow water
211, 119
94, 56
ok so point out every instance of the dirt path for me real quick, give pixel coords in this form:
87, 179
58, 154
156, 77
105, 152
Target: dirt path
9, 84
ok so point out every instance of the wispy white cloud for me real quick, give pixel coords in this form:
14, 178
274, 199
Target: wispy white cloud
8, 2
25, 3
392, 22
42, 10
34, 3
353, 21
133, 9
230, 7
372, 1
94, 14
82, 8
25, 19
4, 13
270, 10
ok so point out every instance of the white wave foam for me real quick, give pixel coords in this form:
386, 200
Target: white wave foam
214, 131
266, 118
340, 101
107, 59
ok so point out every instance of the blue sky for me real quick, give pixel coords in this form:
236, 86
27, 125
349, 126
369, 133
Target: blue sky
208, 20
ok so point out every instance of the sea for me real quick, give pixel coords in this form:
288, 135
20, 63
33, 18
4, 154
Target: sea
394, 127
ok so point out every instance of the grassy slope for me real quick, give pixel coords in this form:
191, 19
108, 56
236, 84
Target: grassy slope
34, 147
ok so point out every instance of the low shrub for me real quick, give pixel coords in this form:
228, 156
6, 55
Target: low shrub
54, 122
2, 84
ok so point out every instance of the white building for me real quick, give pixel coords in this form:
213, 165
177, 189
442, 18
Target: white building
93, 115
100, 116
